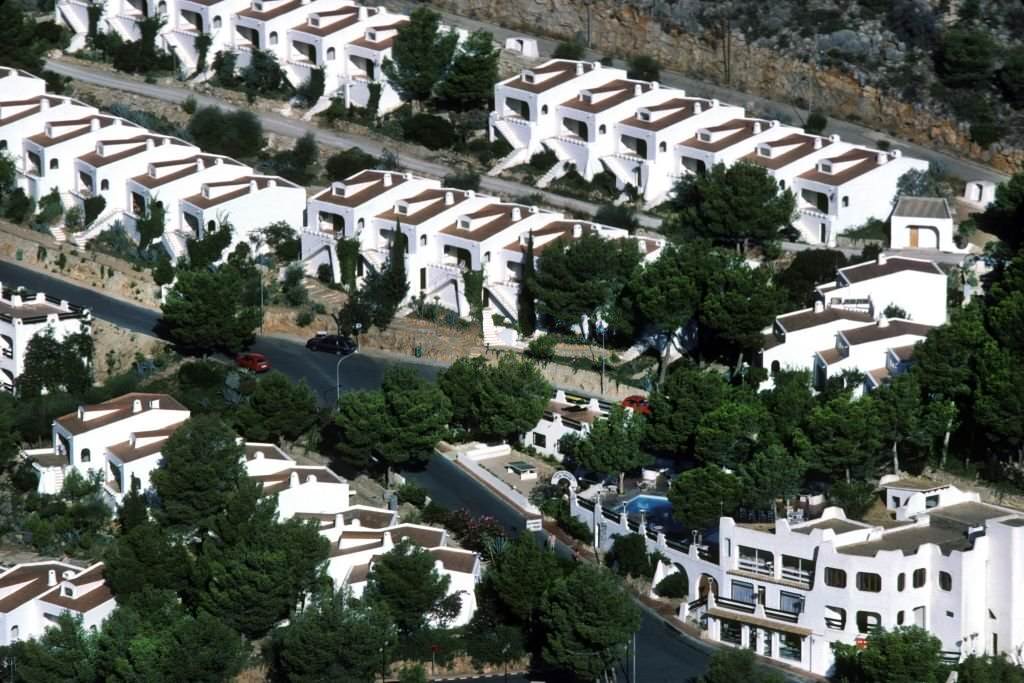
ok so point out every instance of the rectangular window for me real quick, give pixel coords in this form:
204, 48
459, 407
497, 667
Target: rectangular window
901, 582
919, 577
797, 569
743, 592
423, 278
757, 561
868, 582
790, 646
900, 616
945, 581
791, 602
731, 632
539, 440
949, 614
835, 577
868, 621
931, 501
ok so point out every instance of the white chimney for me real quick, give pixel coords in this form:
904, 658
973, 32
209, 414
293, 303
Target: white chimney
136, 406
94, 124
81, 412
218, 161
715, 103
638, 90
880, 259
293, 480
271, 183
517, 214
387, 180
154, 403
339, 521
881, 158
387, 543
200, 164
258, 455
697, 108
310, 478
362, 14
655, 85
579, 68
470, 194
152, 171
253, 185
817, 142
819, 306
44, 104
757, 127
439, 566
51, 578
833, 137
150, 144
577, 231
883, 322
449, 198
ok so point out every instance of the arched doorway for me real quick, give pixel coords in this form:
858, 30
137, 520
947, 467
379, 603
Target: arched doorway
708, 584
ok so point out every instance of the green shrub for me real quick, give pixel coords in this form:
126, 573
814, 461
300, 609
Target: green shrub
569, 50
190, 105
348, 162
644, 68
543, 160
816, 124
617, 216
463, 180
305, 318
542, 348
93, 208
673, 586
324, 273
433, 132
413, 494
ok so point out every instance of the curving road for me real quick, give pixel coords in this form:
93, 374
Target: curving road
295, 128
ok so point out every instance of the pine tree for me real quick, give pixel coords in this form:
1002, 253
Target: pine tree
527, 301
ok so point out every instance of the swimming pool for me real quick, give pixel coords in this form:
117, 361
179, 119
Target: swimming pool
657, 510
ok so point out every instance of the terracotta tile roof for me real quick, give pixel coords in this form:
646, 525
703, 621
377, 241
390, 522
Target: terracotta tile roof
86, 601
869, 270
425, 537
615, 92
742, 129
32, 582
269, 451
903, 353
116, 409
877, 332
359, 573
376, 184
77, 127
862, 161
803, 145
502, 217
802, 320
126, 452
251, 13
683, 108
351, 19
189, 166
560, 70
830, 356
437, 205
132, 146
339, 552
455, 560
243, 188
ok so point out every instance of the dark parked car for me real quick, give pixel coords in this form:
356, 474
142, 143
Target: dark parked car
256, 362
331, 343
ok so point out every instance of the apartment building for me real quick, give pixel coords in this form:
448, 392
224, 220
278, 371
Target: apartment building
33, 595
169, 182
945, 562
246, 203
25, 314
24, 117
49, 156
848, 327
725, 143
566, 414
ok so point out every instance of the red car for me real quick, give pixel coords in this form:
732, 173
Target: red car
255, 362
638, 403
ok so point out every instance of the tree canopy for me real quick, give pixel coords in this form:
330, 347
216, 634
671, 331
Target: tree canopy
405, 581
903, 655
277, 409
51, 365
470, 80
613, 445
701, 495
421, 55
495, 401
207, 310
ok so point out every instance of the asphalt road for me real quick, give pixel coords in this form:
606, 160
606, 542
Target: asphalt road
663, 656
290, 127
360, 371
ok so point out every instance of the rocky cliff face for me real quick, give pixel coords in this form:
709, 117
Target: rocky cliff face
626, 30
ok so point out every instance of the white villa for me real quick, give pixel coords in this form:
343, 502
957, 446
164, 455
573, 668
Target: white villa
564, 415
946, 562
848, 329
35, 594
348, 41
595, 119
447, 231
23, 315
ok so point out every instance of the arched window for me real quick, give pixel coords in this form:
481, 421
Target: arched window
544, 109
775, 367
423, 240
211, 226
104, 185
487, 257
359, 224
273, 37
162, 8
782, 184
3, 144
54, 163
602, 129
86, 455
662, 146
216, 23
331, 54
14, 633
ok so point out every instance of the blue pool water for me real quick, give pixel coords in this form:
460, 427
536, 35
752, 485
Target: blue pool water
657, 510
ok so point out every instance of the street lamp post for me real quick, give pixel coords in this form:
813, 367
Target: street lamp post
602, 329
337, 373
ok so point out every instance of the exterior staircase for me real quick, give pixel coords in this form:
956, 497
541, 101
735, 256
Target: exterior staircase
175, 244
513, 158
321, 105
100, 225
554, 173
58, 233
